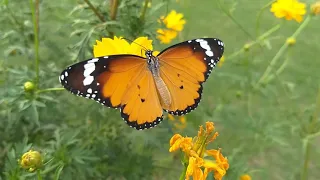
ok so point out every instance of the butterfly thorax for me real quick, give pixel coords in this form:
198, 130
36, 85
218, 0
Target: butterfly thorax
154, 67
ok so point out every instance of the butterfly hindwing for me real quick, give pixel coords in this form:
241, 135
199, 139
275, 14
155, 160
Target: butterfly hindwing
184, 67
142, 108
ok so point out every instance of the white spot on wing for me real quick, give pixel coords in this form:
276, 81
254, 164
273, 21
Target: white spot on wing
93, 60
88, 80
209, 53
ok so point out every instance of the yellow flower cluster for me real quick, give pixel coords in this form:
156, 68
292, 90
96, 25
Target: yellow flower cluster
108, 46
198, 166
174, 23
289, 9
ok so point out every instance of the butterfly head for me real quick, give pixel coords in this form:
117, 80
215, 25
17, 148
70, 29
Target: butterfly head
153, 63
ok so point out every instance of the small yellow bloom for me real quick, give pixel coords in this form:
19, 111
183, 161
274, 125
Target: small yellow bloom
179, 123
171, 117
291, 41
289, 9
221, 62
31, 160
245, 177
108, 46
315, 8
166, 35
174, 21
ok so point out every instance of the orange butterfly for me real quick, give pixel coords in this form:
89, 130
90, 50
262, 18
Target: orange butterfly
143, 87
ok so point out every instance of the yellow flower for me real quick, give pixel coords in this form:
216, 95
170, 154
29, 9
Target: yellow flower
174, 21
245, 177
289, 9
220, 165
195, 149
221, 62
315, 8
31, 160
291, 41
108, 46
166, 35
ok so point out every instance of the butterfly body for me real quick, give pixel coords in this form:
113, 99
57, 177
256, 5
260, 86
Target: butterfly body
145, 87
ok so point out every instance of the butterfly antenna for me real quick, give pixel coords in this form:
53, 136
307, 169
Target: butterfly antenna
136, 43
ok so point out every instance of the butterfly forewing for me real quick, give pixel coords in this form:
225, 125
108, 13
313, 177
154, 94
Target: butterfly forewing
184, 67
118, 81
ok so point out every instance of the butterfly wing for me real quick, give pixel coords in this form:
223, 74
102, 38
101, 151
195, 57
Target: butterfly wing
117, 81
184, 67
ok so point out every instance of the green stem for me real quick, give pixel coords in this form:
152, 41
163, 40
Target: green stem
307, 144
183, 173
281, 51
49, 89
233, 19
39, 177
144, 10
35, 19
279, 70
95, 10
259, 39
113, 13
259, 16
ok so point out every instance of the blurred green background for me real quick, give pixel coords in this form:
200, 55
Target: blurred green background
264, 133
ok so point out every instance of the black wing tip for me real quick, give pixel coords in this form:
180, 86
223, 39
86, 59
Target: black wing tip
189, 108
135, 125
94, 94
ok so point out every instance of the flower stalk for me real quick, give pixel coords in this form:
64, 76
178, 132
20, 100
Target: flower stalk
310, 134
95, 11
35, 20
144, 10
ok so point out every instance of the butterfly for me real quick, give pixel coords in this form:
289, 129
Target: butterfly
143, 88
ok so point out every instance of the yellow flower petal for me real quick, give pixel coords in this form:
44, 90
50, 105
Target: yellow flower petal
209, 127
136, 46
174, 139
108, 46
166, 36
245, 177
212, 166
174, 21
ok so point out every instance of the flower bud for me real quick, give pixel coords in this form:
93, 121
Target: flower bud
29, 86
31, 160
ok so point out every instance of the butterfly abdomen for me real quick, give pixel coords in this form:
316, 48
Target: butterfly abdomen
163, 91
